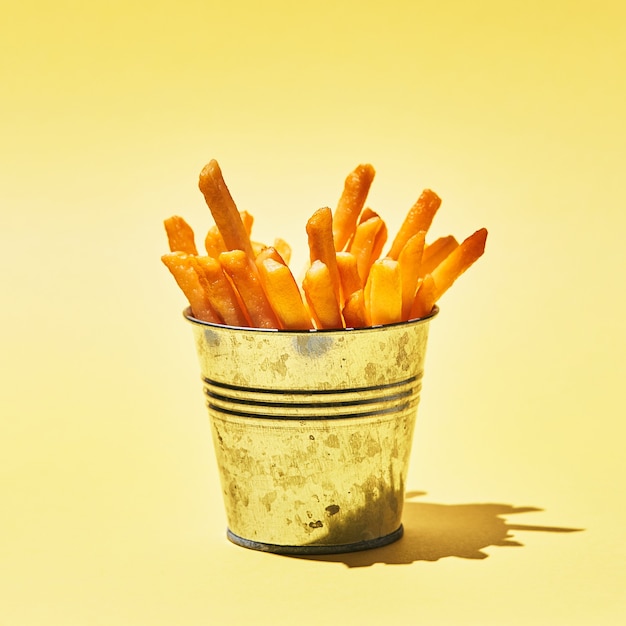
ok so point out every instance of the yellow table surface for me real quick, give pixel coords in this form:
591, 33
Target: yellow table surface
514, 112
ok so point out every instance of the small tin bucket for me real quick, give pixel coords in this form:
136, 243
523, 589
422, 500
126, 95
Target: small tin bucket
312, 431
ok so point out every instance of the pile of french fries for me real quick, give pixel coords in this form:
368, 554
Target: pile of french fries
348, 281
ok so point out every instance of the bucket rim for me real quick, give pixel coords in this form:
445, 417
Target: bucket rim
187, 314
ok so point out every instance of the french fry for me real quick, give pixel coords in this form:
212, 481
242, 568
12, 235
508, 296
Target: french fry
284, 295
458, 261
247, 219
320, 294
425, 298
214, 242
455, 264
222, 296
180, 235
351, 202
363, 243
436, 252
245, 276
383, 292
319, 229
257, 248
283, 248
223, 208
419, 217
381, 237
410, 260
268, 252
355, 312
181, 267
366, 213
348, 273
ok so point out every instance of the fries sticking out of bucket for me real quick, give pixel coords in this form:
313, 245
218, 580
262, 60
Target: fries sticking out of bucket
350, 205
224, 210
348, 283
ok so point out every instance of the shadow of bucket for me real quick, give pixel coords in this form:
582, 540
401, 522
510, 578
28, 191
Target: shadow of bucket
312, 431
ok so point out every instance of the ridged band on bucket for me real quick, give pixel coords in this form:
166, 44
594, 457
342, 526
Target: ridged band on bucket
298, 404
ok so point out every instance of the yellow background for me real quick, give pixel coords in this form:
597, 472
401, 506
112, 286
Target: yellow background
514, 112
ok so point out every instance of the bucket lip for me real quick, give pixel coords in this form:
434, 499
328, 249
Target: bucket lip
313, 331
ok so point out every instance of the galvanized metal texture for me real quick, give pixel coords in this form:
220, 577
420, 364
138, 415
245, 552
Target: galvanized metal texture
312, 431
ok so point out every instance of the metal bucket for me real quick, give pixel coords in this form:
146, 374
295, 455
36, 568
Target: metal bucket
312, 431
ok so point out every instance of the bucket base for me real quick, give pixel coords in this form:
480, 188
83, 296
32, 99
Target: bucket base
316, 549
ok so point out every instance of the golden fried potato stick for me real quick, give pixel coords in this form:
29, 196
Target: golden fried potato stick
247, 220
351, 202
283, 248
459, 260
245, 276
383, 292
214, 242
364, 242
354, 311
348, 273
444, 275
410, 260
227, 218
223, 297
257, 248
379, 241
319, 229
436, 252
181, 267
381, 236
284, 295
366, 213
319, 292
419, 217
180, 235
425, 298
268, 252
